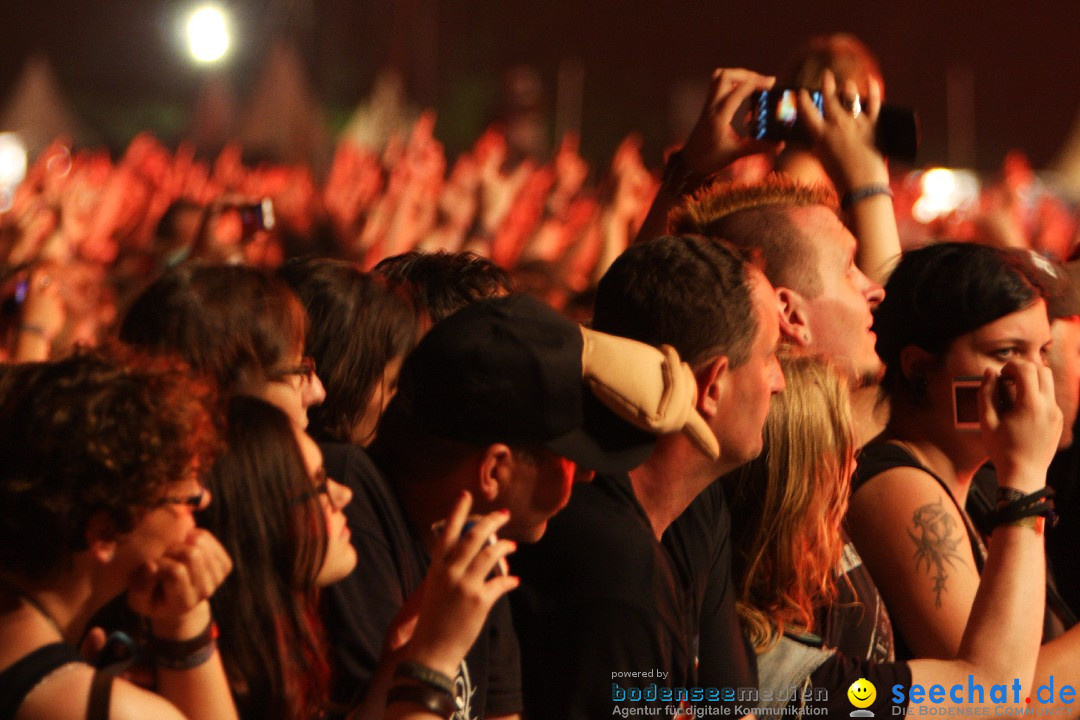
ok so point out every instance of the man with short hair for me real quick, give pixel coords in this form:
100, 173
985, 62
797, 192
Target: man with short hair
604, 617
500, 400
809, 255
825, 302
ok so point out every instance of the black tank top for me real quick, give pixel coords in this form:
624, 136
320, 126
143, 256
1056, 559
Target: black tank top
19, 678
876, 458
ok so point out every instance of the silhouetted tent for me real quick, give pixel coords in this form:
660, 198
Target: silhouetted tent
283, 121
37, 111
1067, 165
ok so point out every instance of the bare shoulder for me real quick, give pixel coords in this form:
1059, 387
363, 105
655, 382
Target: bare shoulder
131, 702
65, 693
914, 541
904, 514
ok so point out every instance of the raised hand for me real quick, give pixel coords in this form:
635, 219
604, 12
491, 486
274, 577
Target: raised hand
1020, 422
714, 143
459, 589
844, 136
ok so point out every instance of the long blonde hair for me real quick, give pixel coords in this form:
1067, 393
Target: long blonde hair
787, 528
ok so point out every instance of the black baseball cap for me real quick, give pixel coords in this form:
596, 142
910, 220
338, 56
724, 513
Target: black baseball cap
509, 370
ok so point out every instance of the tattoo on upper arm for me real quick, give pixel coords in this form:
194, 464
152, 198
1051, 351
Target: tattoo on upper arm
936, 540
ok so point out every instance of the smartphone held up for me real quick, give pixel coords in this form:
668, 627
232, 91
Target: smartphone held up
774, 116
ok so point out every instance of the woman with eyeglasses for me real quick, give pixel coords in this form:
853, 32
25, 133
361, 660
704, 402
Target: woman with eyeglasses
278, 512
241, 326
100, 462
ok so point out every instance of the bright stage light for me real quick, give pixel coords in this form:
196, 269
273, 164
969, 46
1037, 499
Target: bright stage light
208, 34
945, 191
12, 159
12, 168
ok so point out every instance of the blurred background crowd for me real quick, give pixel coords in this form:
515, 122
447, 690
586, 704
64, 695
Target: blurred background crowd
540, 168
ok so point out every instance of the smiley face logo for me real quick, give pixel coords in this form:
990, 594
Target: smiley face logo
862, 693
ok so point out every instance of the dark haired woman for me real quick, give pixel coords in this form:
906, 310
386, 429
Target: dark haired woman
358, 333
278, 511
100, 464
952, 310
240, 326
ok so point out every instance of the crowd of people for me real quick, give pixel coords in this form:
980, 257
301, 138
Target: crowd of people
497, 442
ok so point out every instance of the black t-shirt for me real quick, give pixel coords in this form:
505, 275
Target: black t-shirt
599, 611
391, 563
699, 543
857, 622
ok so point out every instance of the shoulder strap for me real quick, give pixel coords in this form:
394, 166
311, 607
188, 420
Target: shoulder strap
100, 695
885, 456
18, 679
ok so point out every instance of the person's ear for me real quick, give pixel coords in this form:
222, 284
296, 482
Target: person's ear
102, 537
495, 471
712, 380
794, 317
914, 364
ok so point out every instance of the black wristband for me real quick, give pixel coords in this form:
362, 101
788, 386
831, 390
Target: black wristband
423, 674
430, 699
185, 654
1038, 503
1007, 496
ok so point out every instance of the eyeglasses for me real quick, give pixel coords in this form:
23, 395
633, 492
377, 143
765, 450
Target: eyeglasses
306, 370
195, 502
322, 487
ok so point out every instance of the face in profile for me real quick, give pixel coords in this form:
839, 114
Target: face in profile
293, 387
839, 317
363, 433
539, 487
167, 522
340, 557
750, 386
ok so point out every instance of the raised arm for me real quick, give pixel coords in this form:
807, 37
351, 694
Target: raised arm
1000, 643
447, 616
713, 144
844, 142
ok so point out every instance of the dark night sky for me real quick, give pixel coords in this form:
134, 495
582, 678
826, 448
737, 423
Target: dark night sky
120, 57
